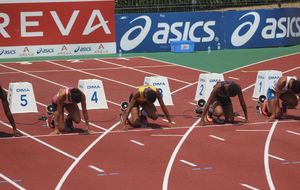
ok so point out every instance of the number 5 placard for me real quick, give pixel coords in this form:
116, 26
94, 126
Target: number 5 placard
21, 97
94, 93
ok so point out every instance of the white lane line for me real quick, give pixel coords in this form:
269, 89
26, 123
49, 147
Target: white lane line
176, 150
165, 135
266, 156
92, 124
188, 163
262, 61
138, 143
91, 74
69, 170
192, 103
25, 63
11, 182
276, 157
123, 58
138, 70
97, 169
41, 136
75, 61
52, 82
184, 87
173, 156
251, 130
89, 69
42, 142
170, 63
292, 132
234, 78
15, 180
249, 186
219, 138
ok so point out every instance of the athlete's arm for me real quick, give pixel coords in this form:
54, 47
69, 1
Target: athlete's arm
59, 114
126, 113
8, 112
243, 104
84, 110
163, 107
280, 85
210, 101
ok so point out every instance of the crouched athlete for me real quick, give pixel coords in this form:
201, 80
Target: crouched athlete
68, 98
144, 97
219, 102
285, 90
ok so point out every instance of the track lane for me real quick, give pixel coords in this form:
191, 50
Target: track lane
150, 159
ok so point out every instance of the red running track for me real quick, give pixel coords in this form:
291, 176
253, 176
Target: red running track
258, 155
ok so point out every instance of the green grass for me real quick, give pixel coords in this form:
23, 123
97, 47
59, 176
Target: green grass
216, 61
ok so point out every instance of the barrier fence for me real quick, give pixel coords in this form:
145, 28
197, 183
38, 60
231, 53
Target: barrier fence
151, 6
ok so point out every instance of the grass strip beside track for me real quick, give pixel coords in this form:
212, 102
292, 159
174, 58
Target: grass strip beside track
216, 61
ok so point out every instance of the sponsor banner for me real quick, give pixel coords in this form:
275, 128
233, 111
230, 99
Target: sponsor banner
209, 30
57, 50
154, 32
60, 22
262, 28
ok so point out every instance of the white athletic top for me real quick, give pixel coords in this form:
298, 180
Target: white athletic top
285, 88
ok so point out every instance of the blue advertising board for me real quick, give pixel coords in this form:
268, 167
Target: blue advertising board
154, 32
262, 28
228, 29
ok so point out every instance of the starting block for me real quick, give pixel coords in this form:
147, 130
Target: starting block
124, 106
206, 83
264, 80
21, 98
162, 84
94, 92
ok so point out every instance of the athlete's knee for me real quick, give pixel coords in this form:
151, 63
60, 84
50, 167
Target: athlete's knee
136, 123
217, 111
76, 119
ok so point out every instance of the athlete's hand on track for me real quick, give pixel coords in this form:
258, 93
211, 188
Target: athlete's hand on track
55, 132
17, 133
202, 123
271, 119
87, 132
125, 127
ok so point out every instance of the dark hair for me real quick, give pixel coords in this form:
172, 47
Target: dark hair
151, 96
75, 95
233, 89
296, 86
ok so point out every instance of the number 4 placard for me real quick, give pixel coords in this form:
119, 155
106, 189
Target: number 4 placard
21, 98
94, 93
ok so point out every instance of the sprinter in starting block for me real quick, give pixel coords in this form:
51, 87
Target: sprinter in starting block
262, 106
219, 103
67, 98
143, 97
199, 110
287, 91
7, 112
